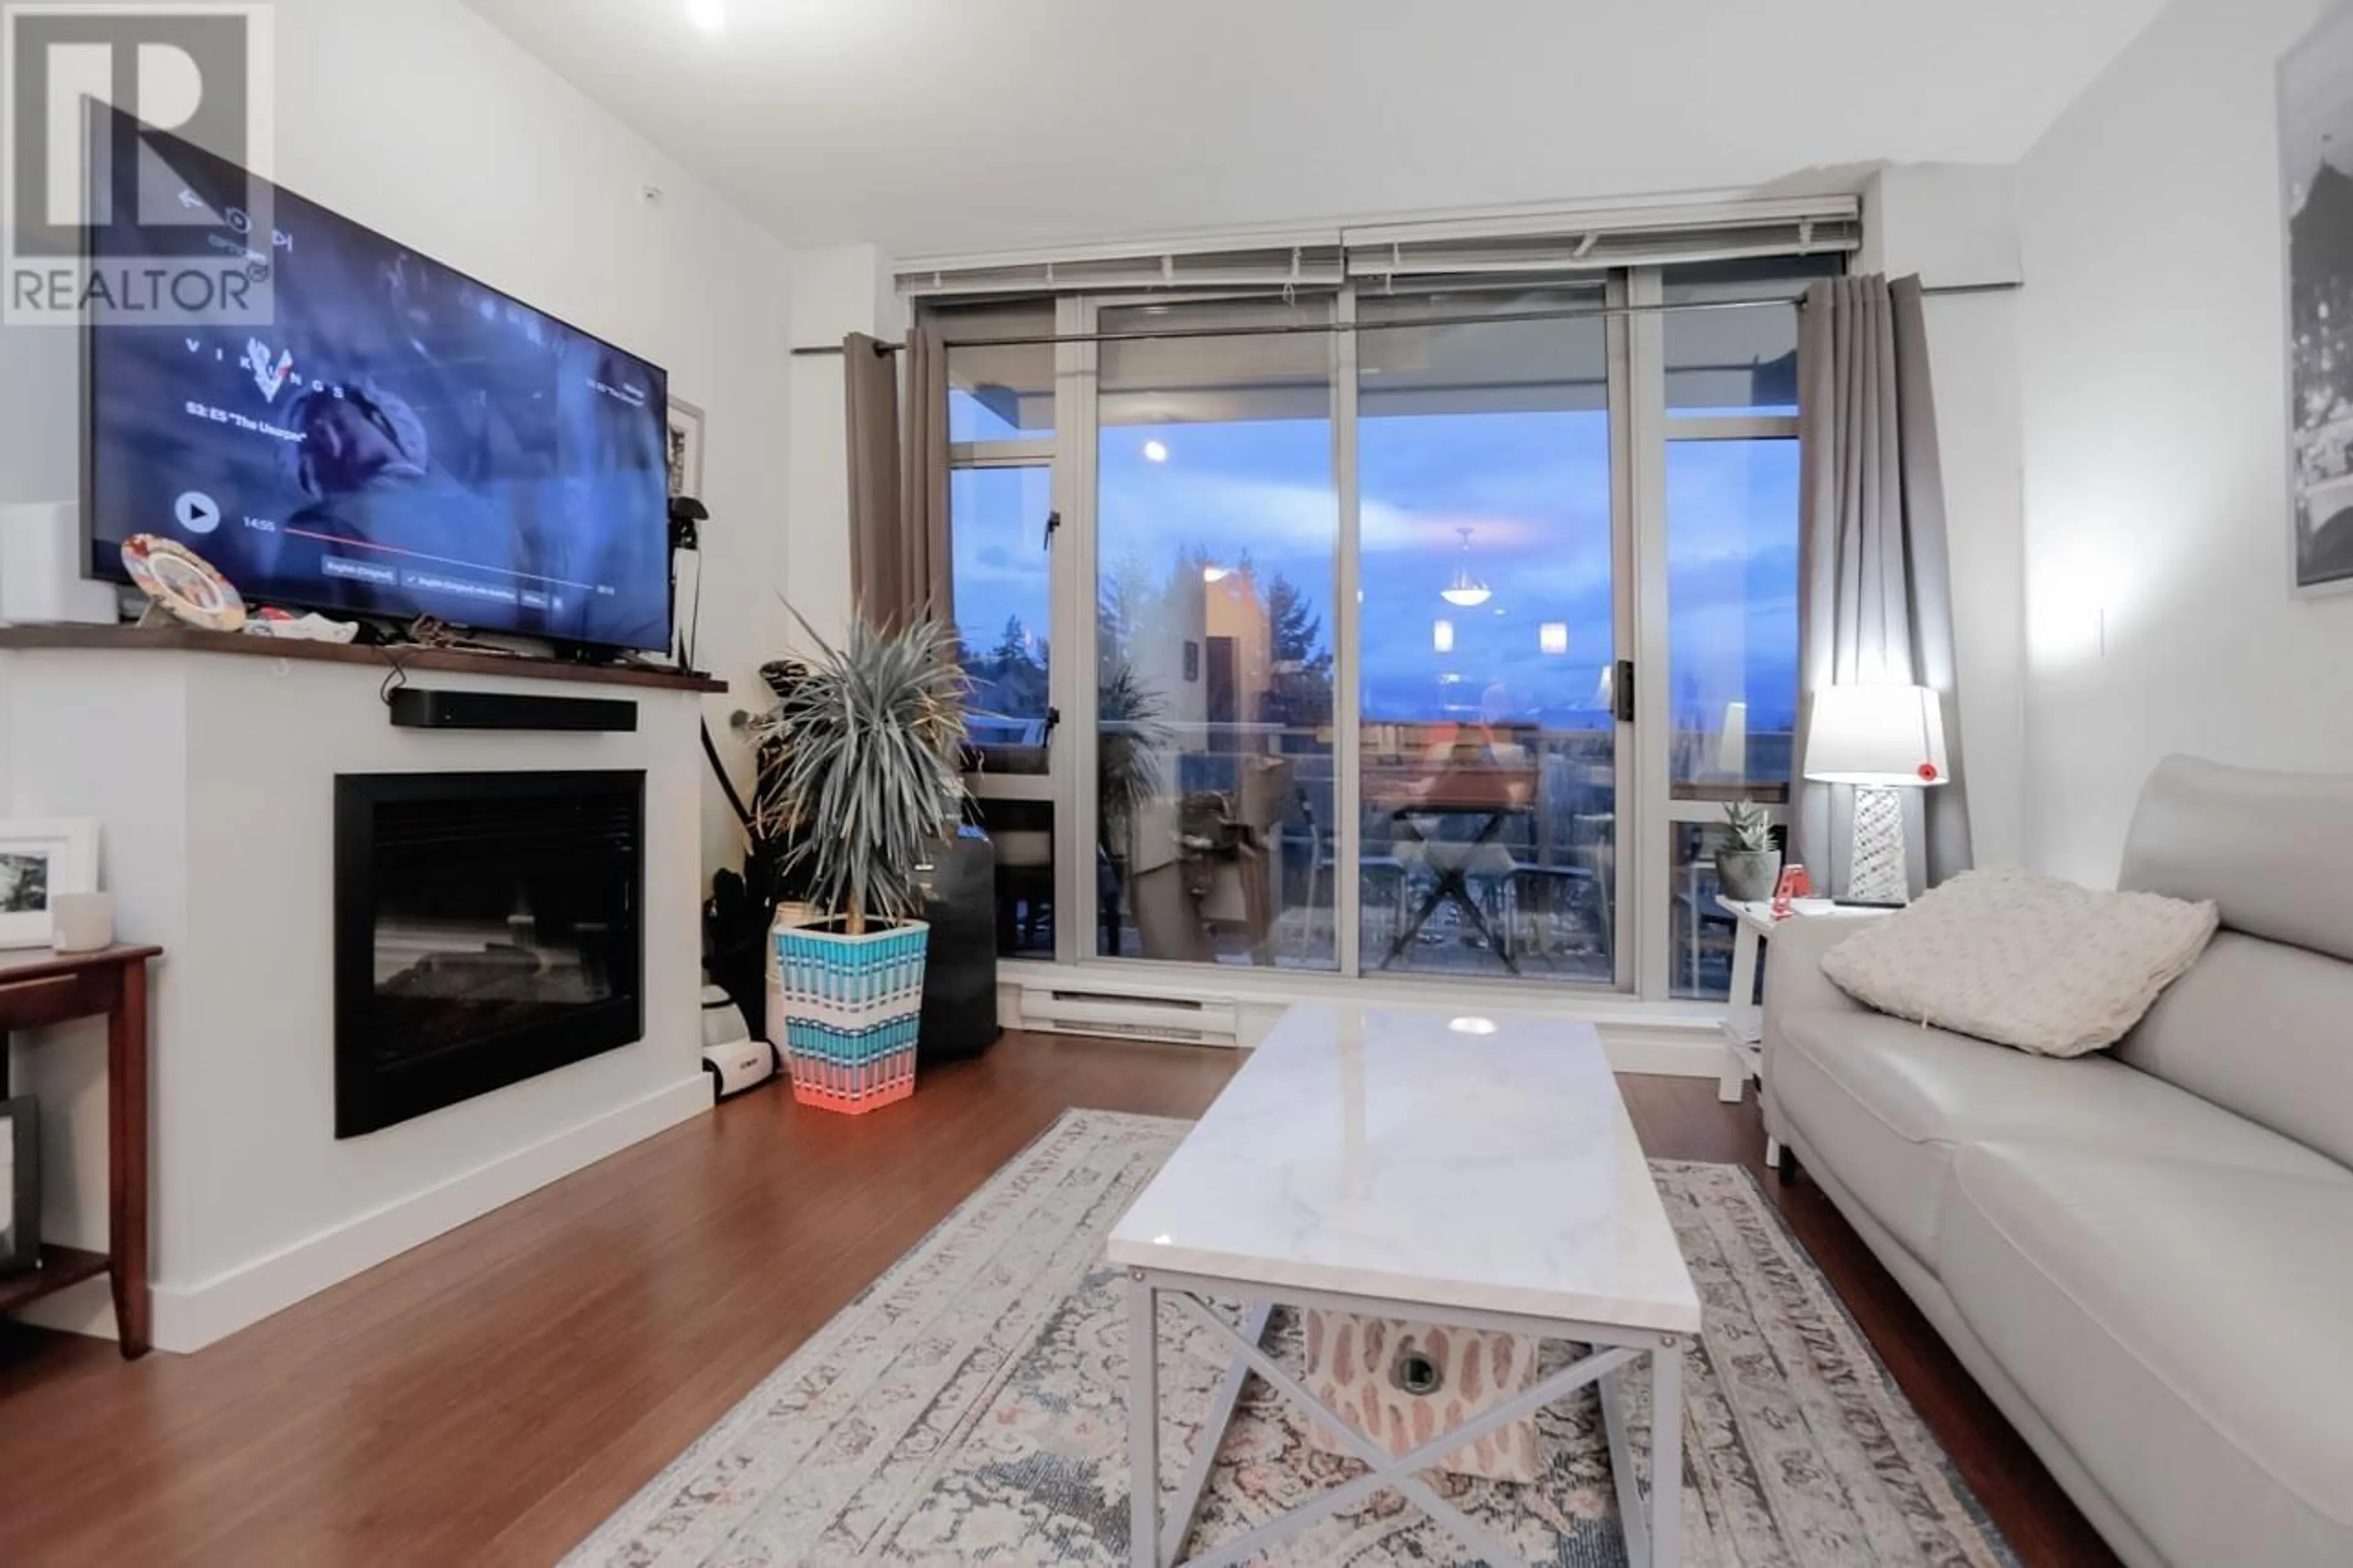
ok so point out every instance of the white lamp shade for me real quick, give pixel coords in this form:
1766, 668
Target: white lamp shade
1881, 736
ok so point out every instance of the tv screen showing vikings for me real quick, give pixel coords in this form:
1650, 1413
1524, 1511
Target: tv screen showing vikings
401, 441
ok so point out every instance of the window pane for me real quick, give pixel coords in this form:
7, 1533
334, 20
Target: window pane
1004, 602
1702, 933
1490, 746
1742, 362
1508, 367
1258, 377
1001, 392
1218, 531
1732, 617
1022, 831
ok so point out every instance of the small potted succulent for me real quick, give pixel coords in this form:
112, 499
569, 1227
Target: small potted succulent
867, 780
1748, 871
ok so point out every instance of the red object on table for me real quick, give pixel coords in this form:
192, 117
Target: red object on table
1794, 885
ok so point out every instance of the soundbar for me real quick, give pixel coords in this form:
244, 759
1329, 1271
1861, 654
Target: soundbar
415, 709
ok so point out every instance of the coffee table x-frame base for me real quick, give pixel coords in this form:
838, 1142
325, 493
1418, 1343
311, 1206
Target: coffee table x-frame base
1654, 1532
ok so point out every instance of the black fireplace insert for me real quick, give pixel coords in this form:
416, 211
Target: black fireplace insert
488, 930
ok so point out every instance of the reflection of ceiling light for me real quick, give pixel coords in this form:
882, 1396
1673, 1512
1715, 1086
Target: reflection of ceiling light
1154, 452
1216, 574
708, 14
1465, 592
1442, 635
1554, 637
1473, 1026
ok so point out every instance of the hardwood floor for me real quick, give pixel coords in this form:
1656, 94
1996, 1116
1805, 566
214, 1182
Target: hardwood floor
490, 1397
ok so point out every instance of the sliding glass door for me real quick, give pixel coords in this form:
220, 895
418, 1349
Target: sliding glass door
1420, 629
1217, 532
1732, 670
1728, 514
1488, 749
1002, 430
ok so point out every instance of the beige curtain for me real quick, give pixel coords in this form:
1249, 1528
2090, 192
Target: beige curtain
924, 478
898, 489
1875, 600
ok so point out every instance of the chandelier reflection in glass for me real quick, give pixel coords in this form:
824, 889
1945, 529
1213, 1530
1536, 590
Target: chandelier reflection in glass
1466, 591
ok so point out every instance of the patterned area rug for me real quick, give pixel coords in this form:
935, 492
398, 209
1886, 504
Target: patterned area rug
969, 1408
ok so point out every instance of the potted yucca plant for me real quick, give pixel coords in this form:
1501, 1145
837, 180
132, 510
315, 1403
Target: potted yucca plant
1747, 871
866, 777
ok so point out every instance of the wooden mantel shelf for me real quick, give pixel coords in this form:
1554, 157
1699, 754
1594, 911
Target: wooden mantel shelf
189, 640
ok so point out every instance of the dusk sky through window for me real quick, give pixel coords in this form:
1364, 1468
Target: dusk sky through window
1534, 488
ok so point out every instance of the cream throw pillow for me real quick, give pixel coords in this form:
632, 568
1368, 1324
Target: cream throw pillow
2024, 960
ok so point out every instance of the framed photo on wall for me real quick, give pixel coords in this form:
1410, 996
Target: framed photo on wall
20, 1185
2315, 98
685, 449
38, 860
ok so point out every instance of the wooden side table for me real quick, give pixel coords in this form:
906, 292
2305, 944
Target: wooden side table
37, 989
1743, 1026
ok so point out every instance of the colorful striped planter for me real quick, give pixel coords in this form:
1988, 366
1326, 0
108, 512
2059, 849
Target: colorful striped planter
851, 1008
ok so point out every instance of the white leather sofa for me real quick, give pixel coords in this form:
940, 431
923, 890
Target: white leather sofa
2144, 1255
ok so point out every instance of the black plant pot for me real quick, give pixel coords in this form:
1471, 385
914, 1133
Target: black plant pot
960, 967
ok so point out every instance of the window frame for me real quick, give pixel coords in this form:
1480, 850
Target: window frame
1643, 427
1656, 859
988, 783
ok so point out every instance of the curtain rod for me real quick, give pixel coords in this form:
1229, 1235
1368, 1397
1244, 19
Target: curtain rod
1295, 329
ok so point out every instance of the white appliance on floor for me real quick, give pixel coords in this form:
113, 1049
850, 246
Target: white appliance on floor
735, 1060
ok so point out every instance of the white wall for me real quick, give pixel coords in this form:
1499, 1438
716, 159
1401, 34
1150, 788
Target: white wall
213, 778
1955, 224
2154, 396
847, 288
424, 121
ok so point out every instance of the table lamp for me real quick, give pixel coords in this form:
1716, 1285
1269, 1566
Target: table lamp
1879, 738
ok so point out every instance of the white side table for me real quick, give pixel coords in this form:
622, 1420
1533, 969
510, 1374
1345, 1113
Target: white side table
1743, 1026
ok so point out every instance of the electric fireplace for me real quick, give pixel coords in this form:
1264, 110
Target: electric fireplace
487, 930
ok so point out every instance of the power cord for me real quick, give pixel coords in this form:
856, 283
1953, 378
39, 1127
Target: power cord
691, 633
396, 680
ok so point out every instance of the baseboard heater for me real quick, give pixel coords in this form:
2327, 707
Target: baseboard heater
1182, 1021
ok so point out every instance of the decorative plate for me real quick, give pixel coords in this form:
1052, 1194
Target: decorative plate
184, 583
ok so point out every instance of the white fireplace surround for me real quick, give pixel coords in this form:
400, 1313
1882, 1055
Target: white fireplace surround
212, 777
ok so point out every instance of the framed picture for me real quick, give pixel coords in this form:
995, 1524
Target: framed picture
2315, 98
20, 1186
38, 860
685, 449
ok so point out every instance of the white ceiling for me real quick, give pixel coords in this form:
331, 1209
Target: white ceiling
931, 126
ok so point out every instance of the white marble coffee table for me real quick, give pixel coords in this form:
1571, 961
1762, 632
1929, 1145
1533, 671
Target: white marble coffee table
1402, 1162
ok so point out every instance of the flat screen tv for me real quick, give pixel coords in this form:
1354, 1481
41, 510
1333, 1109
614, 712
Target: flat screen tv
401, 441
